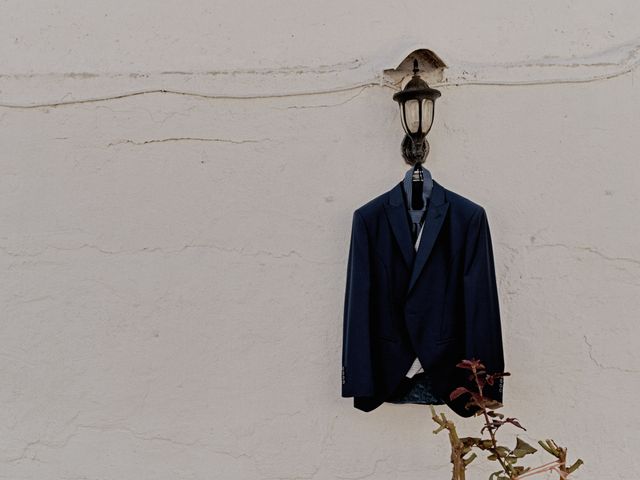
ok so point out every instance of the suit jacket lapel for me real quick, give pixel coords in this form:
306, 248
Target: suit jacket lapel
396, 213
436, 212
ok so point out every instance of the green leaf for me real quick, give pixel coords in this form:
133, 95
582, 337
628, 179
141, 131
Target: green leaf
523, 448
503, 451
546, 444
519, 469
574, 466
486, 444
470, 459
493, 404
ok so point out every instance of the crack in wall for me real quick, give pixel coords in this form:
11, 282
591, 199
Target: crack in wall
366, 475
192, 94
240, 251
328, 105
190, 139
635, 261
101, 428
601, 365
285, 70
625, 65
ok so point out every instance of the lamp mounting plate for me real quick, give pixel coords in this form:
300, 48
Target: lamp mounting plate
430, 64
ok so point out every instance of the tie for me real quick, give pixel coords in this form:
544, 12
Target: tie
417, 217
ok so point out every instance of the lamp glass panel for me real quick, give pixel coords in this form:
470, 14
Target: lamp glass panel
427, 114
412, 116
402, 117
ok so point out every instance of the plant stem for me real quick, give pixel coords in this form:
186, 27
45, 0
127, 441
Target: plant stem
539, 469
457, 448
494, 449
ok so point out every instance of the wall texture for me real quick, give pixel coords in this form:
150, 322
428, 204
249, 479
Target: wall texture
176, 189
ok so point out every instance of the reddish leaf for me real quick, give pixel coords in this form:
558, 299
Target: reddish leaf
470, 364
515, 422
457, 392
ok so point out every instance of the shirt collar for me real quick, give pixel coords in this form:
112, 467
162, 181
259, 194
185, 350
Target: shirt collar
427, 186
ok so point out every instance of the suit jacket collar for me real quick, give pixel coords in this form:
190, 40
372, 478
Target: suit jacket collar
396, 212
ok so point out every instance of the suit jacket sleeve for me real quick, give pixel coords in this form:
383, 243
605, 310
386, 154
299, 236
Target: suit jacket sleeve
483, 335
357, 379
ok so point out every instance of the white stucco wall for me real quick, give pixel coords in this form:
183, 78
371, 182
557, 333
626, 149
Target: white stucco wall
177, 185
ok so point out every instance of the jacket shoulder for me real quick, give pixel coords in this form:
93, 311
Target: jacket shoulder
373, 207
462, 205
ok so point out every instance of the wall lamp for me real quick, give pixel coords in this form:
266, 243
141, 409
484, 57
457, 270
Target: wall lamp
416, 101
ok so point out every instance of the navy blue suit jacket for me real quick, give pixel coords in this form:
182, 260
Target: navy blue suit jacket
439, 303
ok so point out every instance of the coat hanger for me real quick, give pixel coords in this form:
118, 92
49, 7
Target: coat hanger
418, 184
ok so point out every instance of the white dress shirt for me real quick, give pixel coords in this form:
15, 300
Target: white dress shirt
416, 367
